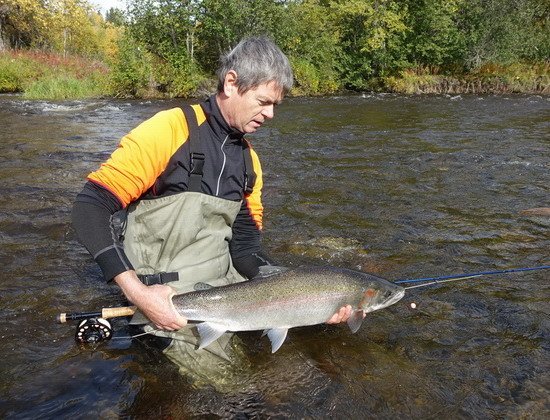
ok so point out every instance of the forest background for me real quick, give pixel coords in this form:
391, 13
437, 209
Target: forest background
58, 49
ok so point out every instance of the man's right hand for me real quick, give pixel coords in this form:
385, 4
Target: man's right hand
154, 301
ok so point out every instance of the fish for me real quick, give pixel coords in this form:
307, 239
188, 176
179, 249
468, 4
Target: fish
287, 299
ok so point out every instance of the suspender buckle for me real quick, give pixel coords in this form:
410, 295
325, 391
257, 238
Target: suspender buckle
158, 278
197, 162
247, 187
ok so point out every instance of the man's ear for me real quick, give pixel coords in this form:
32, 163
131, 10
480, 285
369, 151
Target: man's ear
230, 83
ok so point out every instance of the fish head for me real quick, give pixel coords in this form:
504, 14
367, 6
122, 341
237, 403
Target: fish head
379, 295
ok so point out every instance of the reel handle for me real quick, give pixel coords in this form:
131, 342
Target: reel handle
105, 313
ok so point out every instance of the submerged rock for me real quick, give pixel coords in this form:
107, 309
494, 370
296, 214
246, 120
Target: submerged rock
537, 211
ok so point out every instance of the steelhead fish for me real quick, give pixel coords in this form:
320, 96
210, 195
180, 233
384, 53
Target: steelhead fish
290, 298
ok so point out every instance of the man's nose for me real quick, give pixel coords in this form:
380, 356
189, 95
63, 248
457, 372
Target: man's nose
268, 111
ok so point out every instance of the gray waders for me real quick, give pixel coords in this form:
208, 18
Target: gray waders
187, 233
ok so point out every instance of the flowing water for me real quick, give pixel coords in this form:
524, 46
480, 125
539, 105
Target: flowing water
398, 186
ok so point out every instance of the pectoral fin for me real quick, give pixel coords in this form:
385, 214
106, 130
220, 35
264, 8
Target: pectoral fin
209, 332
277, 336
355, 321
202, 286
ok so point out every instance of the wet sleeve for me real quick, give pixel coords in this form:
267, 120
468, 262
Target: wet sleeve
96, 224
245, 247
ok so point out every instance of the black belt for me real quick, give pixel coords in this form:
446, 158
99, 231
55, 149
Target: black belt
158, 278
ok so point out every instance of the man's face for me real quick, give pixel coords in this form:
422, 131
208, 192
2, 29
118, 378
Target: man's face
247, 112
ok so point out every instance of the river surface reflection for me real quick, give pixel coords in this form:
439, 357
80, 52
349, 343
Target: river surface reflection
398, 186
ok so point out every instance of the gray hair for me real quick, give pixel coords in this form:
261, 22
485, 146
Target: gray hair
256, 61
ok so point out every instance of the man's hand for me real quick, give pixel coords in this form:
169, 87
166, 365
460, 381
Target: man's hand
154, 301
342, 315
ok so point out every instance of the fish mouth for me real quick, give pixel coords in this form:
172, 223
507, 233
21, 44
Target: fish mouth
396, 298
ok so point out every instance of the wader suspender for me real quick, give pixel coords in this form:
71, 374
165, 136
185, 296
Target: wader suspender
195, 146
249, 174
197, 156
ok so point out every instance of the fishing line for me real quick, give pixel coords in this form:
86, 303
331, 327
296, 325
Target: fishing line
131, 337
445, 279
439, 282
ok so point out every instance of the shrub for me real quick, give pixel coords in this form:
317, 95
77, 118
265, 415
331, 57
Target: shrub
178, 76
132, 69
309, 80
16, 72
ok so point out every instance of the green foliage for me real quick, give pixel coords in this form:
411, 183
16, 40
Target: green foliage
132, 68
115, 16
178, 76
310, 39
224, 23
15, 72
309, 80
172, 47
164, 27
504, 32
434, 39
372, 39
64, 26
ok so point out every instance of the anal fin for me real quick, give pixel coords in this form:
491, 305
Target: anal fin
209, 332
277, 337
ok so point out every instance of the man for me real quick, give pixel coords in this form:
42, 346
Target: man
190, 186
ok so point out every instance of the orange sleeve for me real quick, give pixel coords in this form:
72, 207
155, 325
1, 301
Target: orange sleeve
254, 199
143, 154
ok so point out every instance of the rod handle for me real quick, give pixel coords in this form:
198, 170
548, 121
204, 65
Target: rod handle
62, 318
120, 311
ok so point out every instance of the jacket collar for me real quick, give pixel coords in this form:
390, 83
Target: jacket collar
217, 122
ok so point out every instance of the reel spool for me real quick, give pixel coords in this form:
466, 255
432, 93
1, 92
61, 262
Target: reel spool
93, 330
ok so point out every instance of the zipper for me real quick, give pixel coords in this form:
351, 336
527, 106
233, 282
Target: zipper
223, 166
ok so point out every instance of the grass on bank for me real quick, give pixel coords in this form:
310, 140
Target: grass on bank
51, 76
489, 78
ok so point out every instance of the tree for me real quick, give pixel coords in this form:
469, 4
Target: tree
221, 24
311, 40
166, 27
115, 16
24, 23
434, 38
372, 38
66, 26
504, 31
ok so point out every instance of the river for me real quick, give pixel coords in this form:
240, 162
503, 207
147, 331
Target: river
399, 186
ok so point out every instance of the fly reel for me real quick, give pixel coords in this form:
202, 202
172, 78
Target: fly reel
94, 327
93, 331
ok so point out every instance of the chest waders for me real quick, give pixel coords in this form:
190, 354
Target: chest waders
188, 234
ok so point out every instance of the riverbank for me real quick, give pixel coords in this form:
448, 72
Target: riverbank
41, 75
515, 78
49, 76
